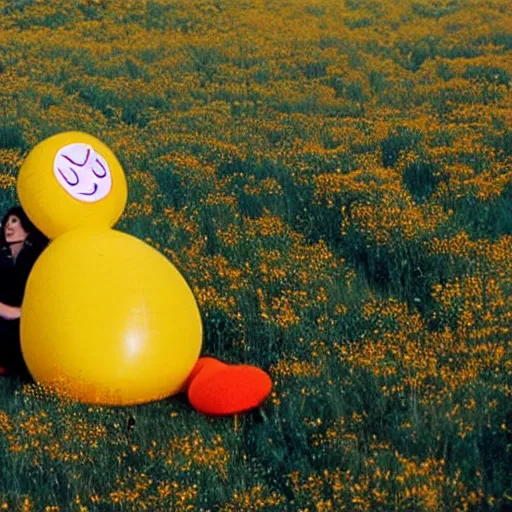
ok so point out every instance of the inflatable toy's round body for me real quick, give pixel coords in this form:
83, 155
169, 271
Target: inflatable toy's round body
108, 319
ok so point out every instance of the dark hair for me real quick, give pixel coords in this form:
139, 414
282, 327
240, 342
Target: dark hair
35, 236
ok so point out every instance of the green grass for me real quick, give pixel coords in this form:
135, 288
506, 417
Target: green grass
333, 180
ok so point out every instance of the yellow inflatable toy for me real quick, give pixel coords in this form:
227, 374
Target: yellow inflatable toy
105, 317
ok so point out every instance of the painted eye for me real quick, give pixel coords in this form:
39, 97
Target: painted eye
70, 183
99, 174
76, 163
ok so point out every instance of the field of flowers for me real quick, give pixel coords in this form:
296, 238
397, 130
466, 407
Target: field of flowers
334, 180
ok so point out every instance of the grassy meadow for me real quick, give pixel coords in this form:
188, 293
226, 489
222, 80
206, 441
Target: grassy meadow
334, 180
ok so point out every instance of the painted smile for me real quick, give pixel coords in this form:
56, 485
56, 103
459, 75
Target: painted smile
90, 193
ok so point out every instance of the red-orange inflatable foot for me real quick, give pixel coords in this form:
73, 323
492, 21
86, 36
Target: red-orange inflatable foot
220, 388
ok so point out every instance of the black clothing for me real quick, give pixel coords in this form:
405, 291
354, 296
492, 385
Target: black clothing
14, 273
13, 278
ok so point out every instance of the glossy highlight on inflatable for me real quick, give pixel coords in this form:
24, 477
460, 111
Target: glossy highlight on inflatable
105, 317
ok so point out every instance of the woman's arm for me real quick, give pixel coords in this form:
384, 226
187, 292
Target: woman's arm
9, 312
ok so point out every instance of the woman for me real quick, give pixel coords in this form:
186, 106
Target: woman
20, 245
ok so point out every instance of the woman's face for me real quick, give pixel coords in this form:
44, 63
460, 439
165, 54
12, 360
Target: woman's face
13, 230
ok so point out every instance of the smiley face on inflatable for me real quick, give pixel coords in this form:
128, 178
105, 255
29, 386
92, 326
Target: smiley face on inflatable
105, 317
82, 172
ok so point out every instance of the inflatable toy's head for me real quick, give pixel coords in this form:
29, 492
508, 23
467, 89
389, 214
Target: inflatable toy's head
72, 180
